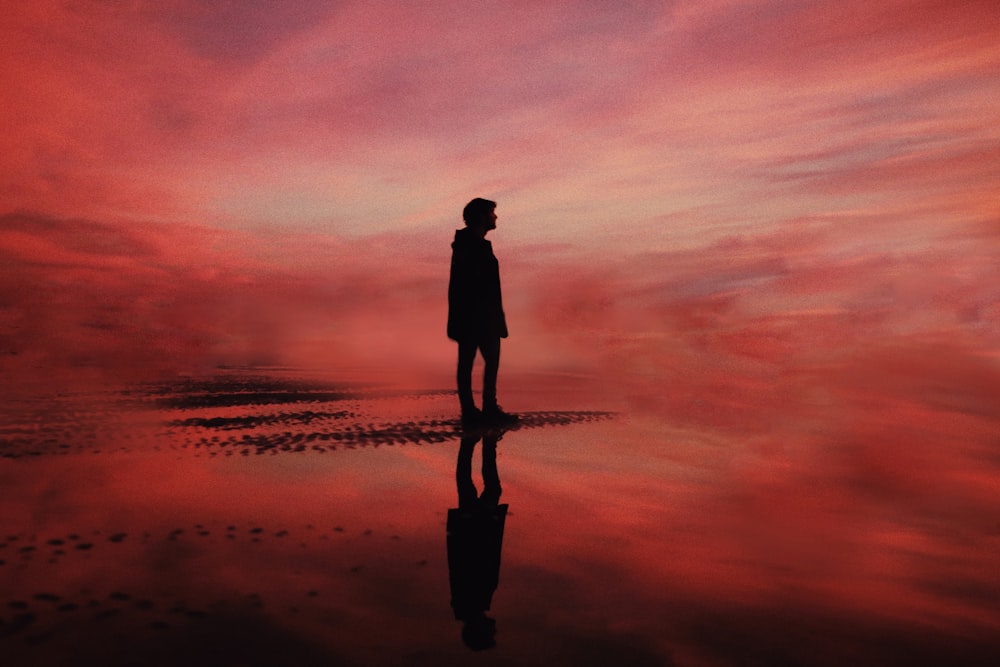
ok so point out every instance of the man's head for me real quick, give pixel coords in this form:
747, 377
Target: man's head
480, 214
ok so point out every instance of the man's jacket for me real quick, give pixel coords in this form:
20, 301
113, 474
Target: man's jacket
475, 308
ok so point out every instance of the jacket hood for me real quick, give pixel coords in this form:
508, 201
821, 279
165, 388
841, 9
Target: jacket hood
466, 237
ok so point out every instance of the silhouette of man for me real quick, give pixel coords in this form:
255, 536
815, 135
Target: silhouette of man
476, 319
475, 540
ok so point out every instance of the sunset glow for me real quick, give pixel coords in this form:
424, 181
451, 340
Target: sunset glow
305, 144
763, 233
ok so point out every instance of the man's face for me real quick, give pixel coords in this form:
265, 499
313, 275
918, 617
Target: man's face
491, 220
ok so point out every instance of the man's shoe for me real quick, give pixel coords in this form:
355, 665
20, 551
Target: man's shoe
496, 415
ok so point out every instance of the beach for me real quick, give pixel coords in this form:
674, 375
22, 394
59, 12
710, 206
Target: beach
271, 516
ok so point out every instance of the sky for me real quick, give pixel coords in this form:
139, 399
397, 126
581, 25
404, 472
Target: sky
278, 182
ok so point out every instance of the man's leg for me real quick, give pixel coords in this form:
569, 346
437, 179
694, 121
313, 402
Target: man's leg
466, 357
467, 494
491, 478
490, 349
491, 411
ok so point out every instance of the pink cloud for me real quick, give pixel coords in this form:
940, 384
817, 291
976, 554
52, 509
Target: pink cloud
846, 150
368, 118
128, 301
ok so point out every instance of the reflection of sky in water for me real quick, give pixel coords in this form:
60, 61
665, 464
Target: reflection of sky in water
634, 540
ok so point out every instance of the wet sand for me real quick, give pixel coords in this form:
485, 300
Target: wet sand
275, 518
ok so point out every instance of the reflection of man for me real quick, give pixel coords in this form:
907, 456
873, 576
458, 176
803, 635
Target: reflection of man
475, 539
475, 311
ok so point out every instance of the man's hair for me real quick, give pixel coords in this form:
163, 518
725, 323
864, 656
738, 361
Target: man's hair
477, 209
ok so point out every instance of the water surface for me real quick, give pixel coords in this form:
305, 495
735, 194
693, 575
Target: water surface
278, 518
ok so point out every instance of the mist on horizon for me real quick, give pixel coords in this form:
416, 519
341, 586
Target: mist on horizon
741, 316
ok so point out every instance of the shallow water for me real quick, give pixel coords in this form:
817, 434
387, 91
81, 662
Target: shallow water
279, 519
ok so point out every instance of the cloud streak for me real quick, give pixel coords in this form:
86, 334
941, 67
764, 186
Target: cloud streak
368, 117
